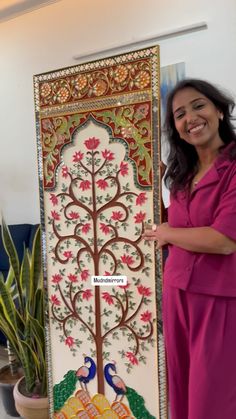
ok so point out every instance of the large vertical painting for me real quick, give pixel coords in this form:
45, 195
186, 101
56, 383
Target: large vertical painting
99, 152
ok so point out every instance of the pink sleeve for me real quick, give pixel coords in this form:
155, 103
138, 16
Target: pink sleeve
225, 214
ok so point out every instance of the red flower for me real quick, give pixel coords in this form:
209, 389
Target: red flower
145, 291
55, 215
92, 143
84, 274
146, 316
107, 154
124, 287
84, 185
65, 171
141, 198
77, 157
139, 217
107, 273
85, 228
72, 278
116, 215
108, 298
74, 215
69, 341
55, 300
102, 184
87, 294
127, 259
104, 228
54, 199
124, 169
68, 254
56, 278
132, 358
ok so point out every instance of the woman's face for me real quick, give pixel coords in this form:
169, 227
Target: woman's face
196, 119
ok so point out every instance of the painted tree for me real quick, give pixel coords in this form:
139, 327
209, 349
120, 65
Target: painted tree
96, 227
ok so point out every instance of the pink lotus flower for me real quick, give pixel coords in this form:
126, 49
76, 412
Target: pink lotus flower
77, 157
92, 143
107, 154
85, 185
117, 215
87, 294
132, 358
140, 217
55, 300
68, 254
69, 341
145, 291
104, 228
141, 198
72, 278
54, 199
55, 215
146, 316
125, 287
127, 259
65, 171
84, 274
74, 215
108, 298
85, 228
102, 184
124, 169
56, 278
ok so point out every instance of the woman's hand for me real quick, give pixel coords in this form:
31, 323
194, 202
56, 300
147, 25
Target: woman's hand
193, 239
156, 234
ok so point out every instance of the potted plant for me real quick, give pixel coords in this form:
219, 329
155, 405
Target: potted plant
22, 322
9, 375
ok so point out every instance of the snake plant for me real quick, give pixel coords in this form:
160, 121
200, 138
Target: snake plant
22, 311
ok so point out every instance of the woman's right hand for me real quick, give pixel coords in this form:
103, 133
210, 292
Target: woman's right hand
151, 234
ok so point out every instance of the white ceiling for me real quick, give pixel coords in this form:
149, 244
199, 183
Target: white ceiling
13, 8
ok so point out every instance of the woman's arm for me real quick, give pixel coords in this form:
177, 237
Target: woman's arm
196, 239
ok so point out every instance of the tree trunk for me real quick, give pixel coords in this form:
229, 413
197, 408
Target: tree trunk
99, 343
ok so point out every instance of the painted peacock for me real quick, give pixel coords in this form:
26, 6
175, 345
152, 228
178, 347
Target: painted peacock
86, 373
136, 402
63, 390
114, 380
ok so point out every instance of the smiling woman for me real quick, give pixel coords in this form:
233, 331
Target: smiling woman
199, 279
197, 119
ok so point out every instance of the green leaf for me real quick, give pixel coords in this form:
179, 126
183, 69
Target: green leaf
22, 311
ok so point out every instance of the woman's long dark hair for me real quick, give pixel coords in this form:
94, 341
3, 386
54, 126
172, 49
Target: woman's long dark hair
182, 159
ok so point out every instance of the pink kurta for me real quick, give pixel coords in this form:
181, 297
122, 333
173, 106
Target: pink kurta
212, 203
199, 304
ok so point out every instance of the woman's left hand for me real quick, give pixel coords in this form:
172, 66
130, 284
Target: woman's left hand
156, 233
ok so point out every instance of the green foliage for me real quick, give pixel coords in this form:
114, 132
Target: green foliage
22, 311
63, 390
137, 404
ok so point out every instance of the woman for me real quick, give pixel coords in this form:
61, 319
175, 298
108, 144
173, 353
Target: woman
199, 300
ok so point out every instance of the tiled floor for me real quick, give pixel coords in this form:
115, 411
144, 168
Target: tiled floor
3, 361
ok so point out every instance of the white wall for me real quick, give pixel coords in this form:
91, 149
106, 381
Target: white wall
48, 38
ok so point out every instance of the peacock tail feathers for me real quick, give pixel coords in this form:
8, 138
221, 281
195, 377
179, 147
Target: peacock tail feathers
63, 390
137, 405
